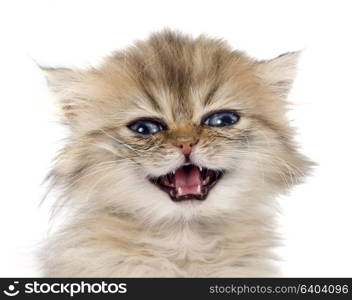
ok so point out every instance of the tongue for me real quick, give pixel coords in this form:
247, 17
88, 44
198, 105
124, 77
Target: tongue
188, 182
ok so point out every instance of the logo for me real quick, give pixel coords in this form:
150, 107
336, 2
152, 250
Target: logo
12, 291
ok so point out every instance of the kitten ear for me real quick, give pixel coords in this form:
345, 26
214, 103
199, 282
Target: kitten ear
279, 72
66, 85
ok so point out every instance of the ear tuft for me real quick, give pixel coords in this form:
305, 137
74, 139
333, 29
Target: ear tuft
280, 72
65, 84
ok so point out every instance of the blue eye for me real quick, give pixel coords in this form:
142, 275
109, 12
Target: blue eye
221, 119
146, 126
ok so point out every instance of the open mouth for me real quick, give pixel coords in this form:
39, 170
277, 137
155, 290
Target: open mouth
188, 182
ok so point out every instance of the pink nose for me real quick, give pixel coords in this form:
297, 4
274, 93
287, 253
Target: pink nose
186, 145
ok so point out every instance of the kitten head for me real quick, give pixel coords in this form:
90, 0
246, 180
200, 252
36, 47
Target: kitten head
176, 129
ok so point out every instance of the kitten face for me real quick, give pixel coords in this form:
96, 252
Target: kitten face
177, 129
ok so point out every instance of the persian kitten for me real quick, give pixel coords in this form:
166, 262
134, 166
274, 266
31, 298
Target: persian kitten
177, 149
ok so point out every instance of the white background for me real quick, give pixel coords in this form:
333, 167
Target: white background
316, 217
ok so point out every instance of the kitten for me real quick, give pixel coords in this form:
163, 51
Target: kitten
178, 147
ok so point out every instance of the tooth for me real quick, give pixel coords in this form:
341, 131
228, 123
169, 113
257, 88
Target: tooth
206, 180
200, 168
173, 172
198, 189
179, 191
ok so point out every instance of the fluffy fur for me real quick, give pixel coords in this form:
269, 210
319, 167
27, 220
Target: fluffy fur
122, 225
